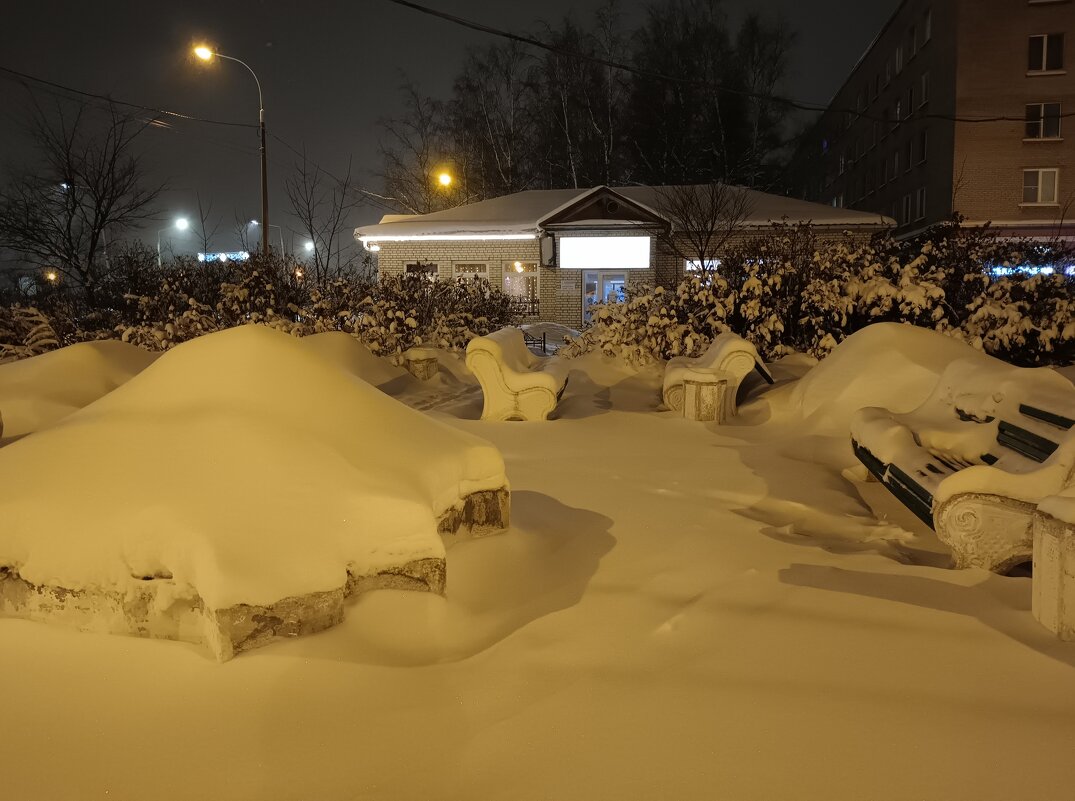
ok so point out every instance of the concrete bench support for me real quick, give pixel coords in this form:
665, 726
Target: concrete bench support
1053, 594
704, 395
421, 363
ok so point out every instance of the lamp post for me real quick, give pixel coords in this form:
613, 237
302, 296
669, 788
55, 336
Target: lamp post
207, 54
279, 232
181, 224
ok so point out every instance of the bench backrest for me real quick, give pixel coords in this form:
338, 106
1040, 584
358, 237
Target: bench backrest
508, 347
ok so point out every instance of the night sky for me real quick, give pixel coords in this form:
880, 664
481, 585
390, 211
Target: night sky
329, 72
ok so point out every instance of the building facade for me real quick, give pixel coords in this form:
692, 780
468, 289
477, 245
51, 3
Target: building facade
958, 106
559, 251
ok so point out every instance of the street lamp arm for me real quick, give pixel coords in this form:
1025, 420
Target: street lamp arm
261, 101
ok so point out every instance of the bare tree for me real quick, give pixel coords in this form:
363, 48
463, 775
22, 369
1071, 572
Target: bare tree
703, 218
322, 204
412, 148
87, 180
205, 232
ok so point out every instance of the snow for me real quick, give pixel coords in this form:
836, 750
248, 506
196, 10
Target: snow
37, 392
680, 610
242, 465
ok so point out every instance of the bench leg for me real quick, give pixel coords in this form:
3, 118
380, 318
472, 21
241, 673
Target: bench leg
986, 531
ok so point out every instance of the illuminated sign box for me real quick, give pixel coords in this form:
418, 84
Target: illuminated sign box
604, 252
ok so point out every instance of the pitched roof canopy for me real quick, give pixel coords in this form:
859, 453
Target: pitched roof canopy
527, 214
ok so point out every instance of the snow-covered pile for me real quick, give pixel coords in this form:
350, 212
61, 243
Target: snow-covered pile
353, 356
892, 365
243, 468
36, 392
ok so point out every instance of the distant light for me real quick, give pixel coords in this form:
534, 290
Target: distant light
65, 186
309, 246
203, 52
182, 223
298, 273
224, 256
253, 222
518, 266
444, 179
51, 276
374, 248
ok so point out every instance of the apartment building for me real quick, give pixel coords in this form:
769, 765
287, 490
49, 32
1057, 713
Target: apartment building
961, 106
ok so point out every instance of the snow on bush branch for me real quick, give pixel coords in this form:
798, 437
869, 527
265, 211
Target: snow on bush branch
164, 307
792, 290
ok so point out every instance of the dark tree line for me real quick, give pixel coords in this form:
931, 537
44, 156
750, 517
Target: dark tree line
519, 118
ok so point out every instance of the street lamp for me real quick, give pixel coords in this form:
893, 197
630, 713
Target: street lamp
444, 179
279, 232
207, 54
181, 224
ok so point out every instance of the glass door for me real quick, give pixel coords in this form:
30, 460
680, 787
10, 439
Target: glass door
602, 286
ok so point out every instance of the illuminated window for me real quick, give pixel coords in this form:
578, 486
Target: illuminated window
469, 270
695, 266
1043, 121
423, 269
1039, 187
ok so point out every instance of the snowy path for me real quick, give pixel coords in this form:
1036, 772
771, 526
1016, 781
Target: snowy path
679, 612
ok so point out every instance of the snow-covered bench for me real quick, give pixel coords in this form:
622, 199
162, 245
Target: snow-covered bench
729, 353
516, 384
975, 459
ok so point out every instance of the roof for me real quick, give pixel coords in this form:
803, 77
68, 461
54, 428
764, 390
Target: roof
521, 214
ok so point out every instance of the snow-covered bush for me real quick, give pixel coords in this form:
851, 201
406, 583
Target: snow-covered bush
25, 332
790, 290
401, 312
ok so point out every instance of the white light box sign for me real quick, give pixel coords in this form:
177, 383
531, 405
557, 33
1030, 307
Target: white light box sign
604, 253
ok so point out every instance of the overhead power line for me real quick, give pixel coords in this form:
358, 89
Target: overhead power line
800, 105
158, 111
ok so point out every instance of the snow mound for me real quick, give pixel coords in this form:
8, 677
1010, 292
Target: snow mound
242, 471
37, 392
891, 365
354, 357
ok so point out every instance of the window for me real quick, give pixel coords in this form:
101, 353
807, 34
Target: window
1046, 53
895, 164
899, 59
922, 147
905, 210
843, 164
927, 26
910, 100
1043, 121
873, 135
426, 270
469, 270
920, 203
838, 202
1039, 187
897, 114
923, 94
888, 72
695, 266
912, 43
521, 285
909, 156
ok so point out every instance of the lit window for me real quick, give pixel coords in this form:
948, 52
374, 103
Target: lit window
1043, 121
1045, 53
422, 269
469, 270
1039, 187
695, 266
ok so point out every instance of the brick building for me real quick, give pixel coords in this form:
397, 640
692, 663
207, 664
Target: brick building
899, 137
559, 250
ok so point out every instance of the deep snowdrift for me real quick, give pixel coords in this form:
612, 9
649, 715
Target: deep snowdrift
35, 393
889, 364
241, 469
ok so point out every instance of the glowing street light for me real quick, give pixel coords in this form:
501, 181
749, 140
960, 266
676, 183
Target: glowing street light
309, 247
444, 179
180, 224
206, 53
52, 276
